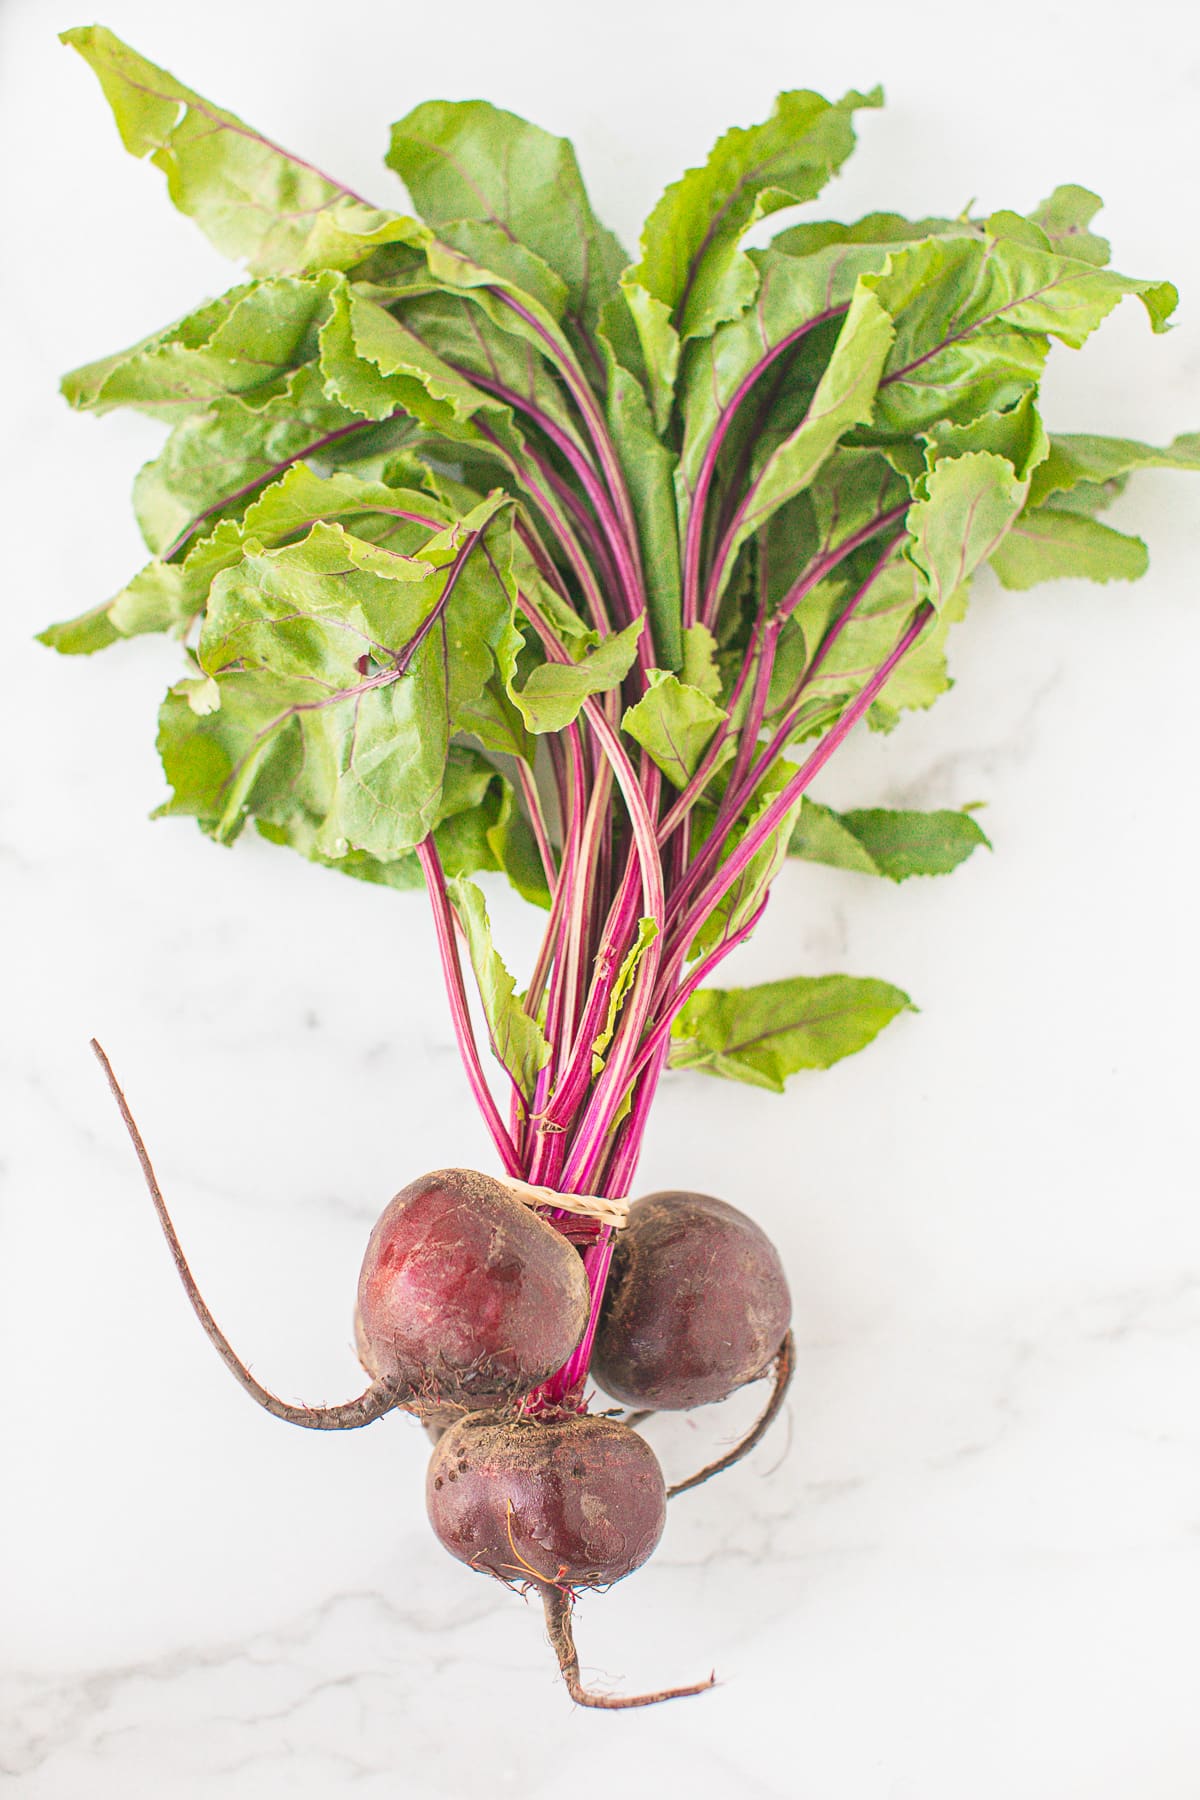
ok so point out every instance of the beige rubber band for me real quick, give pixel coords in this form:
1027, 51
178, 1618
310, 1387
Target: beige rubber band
591, 1206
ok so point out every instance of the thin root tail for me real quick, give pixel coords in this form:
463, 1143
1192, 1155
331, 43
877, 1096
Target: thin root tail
371, 1404
783, 1368
558, 1603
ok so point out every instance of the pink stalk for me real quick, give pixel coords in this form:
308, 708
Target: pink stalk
583, 571
773, 816
581, 392
743, 782
693, 539
460, 1014
537, 821
659, 1038
779, 740
610, 525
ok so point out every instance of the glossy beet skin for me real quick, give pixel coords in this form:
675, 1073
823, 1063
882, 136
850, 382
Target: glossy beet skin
578, 1500
696, 1304
467, 1297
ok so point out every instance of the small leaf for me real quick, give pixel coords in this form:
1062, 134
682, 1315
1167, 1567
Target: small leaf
647, 931
554, 693
1065, 218
761, 1035
517, 1040
1046, 544
885, 841
970, 502
674, 724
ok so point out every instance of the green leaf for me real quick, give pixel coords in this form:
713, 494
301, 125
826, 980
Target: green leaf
245, 341
1015, 433
470, 160
844, 397
252, 199
1046, 544
225, 453
374, 364
794, 292
647, 931
884, 841
761, 1035
375, 662
516, 1038
700, 661
1077, 460
81, 636
649, 468
674, 724
1065, 218
554, 693
970, 502
973, 319
167, 596
692, 274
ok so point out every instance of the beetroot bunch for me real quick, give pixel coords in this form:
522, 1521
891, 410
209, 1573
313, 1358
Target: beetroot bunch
491, 550
468, 1302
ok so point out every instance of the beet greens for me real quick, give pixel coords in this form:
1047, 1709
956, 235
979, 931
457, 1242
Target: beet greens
488, 549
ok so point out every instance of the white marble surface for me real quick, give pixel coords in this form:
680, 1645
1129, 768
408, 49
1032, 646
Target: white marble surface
970, 1565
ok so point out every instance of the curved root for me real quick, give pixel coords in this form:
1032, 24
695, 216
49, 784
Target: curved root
378, 1399
558, 1603
784, 1367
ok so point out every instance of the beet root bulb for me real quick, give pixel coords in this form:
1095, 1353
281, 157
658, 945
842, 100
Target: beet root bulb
466, 1298
556, 1503
697, 1304
578, 1501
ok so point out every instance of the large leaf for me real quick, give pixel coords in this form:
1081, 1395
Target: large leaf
226, 453
168, 595
761, 1035
692, 274
374, 657
245, 341
794, 292
972, 321
884, 841
252, 199
467, 160
516, 1038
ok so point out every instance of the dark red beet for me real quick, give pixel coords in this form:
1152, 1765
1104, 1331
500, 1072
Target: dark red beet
696, 1304
557, 1504
467, 1297
578, 1501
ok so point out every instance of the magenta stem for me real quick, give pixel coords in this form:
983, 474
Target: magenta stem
460, 1014
773, 816
694, 536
